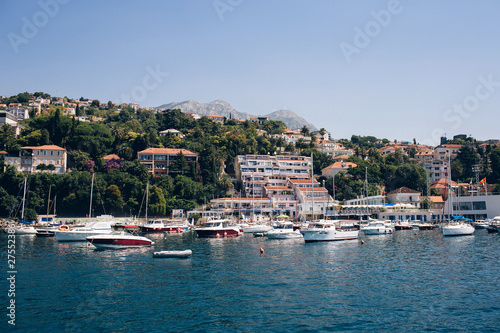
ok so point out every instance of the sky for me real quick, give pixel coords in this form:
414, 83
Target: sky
397, 69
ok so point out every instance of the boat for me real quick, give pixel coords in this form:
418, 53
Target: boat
403, 225
80, 234
163, 225
118, 240
46, 232
377, 227
323, 230
459, 226
217, 228
24, 228
172, 254
426, 226
480, 224
284, 230
259, 228
494, 225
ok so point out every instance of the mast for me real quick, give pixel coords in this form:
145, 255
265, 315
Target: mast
333, 190
24, 199
147, 197
91, 192
48, 201
312, 184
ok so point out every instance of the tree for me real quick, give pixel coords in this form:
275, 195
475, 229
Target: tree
157, 203
304, 130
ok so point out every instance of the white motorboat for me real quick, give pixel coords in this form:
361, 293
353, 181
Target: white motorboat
172, 254
118, 240
458, 227
283, 230
322, 230
251, 228
377, 227
80, 234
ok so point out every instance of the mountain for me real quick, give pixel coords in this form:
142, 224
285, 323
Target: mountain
223, 108
291, 119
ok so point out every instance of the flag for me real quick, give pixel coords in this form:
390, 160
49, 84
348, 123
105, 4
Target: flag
482, 181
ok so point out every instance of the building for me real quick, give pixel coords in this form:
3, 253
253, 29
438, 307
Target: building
10, 119
37, 159
336, 167
174, 132
404, 195
159, 161
216, 118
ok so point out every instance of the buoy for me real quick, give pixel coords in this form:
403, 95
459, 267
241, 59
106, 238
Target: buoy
416, 234
261, 251
217, 235
362, 241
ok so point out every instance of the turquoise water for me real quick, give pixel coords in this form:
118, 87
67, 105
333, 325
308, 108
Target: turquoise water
392, 283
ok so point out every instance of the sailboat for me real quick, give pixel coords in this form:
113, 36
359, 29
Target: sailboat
24, 229
65, 234
48, 232
457, 225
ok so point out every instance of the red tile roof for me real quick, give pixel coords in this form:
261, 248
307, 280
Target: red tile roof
166, 151
46, 147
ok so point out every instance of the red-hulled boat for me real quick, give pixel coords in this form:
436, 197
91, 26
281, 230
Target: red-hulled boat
118, 240
218, 229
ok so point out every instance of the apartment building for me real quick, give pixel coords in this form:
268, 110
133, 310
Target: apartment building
159, 160
38, 159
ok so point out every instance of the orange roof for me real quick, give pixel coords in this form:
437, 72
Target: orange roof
436, 199
111, 157
310, 189
3, 152
302, 181
166, 151
46, 147
214, 116
341, 165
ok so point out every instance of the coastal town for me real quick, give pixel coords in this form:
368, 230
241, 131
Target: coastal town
266, 182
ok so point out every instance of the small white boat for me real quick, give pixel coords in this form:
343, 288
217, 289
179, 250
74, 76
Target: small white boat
377, 227
217, 228
118, 240
172, 254
322, 231
284, 230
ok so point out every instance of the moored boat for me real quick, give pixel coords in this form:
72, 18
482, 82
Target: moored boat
217, 228
377, 227
322, 231
172, 254
403, 225
459, 226
163, 225
283, 230
118, 240
79, 234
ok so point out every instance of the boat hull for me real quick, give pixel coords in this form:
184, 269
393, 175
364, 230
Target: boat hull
148, 230
377, 231
329, 236
119, 243
284, 235
457, 230
76, 236
217, 233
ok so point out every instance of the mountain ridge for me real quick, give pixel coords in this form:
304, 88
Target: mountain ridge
223, 108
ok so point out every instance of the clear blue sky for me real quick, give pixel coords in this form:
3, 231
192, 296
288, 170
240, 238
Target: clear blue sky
400, 81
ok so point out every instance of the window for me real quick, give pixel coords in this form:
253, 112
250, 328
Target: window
479, 205
44, 153
51, 153
57, 162
58, 153
38, 152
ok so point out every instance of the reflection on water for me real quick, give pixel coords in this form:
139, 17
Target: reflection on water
406, 281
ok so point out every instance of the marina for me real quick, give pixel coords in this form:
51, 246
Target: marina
415, 282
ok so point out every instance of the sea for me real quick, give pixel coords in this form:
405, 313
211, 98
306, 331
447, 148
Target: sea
410, 281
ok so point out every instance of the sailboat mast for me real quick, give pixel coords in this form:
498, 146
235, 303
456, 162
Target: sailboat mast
24, 200
312, 184
147, 199
91, 192
48, 202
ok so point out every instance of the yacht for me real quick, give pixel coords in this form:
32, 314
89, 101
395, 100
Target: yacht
283, 230
164, 225
79, 234
403, 225
217, 228
377, 227
118, 240
323, 231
